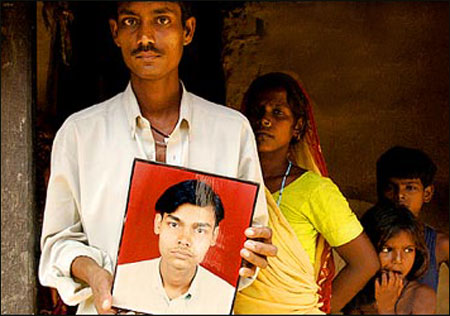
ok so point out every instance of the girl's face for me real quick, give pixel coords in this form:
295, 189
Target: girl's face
398, 253
272, 121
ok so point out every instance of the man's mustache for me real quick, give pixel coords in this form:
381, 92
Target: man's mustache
145, 48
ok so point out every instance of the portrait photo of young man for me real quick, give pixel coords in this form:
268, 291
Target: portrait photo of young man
181, 239
187, 223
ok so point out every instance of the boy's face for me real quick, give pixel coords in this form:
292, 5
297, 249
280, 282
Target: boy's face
409, 193
151, 37
186, 235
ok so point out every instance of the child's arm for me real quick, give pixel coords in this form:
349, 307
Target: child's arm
362, 263
424, 301
442, 248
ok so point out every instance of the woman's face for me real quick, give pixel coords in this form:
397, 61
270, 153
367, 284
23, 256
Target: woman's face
272, 121
398, 253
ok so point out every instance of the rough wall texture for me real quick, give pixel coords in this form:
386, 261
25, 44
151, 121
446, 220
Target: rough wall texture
378, 75
376, 72
18, 285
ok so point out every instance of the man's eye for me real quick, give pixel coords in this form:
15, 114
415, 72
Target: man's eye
200, 230
173, 224
385, 250
129, 21
162, 20
410, 250
410, 188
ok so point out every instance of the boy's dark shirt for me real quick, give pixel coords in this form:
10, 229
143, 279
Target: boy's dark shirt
431, 276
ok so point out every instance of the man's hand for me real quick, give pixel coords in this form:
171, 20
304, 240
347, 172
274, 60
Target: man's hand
256, 249
101, 289
100, 281
388, 288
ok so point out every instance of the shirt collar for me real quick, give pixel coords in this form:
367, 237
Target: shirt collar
186, 106
133, 111
190, 293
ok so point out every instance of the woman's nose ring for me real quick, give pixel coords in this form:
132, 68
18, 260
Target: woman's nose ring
266, 123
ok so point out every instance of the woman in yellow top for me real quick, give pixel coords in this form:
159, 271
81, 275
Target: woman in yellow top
303, 206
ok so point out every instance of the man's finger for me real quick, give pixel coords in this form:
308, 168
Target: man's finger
106, 304
253, 258
247, 272
261, 248
259, 232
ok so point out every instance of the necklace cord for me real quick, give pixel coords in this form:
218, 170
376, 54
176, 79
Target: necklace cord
159, 132
283, 183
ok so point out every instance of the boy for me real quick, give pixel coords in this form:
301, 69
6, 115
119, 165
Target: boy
405, 177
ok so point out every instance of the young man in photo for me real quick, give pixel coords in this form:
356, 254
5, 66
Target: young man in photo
187, 223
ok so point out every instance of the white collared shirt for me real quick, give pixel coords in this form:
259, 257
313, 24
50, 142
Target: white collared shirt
91, 163
138, 286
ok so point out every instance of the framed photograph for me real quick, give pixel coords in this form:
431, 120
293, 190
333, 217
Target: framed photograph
182, 234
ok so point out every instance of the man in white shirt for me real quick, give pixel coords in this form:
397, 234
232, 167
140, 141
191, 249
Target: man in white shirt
155, 118
187, 223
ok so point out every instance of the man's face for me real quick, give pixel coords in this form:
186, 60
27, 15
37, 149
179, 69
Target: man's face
186, 235
151, 37
409, 193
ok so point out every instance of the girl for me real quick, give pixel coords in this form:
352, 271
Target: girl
398, 238
305, 210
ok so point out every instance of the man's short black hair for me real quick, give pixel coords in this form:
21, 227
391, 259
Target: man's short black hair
192, 192
404, 163
185, 6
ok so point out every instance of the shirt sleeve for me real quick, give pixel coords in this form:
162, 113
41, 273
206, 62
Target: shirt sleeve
331, 215
63, 238
250, 169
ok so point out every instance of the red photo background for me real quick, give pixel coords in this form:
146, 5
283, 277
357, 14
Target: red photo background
149, 180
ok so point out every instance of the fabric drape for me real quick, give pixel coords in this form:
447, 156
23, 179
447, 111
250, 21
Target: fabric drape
288, 284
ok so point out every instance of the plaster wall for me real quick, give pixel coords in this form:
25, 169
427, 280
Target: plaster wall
377, 73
